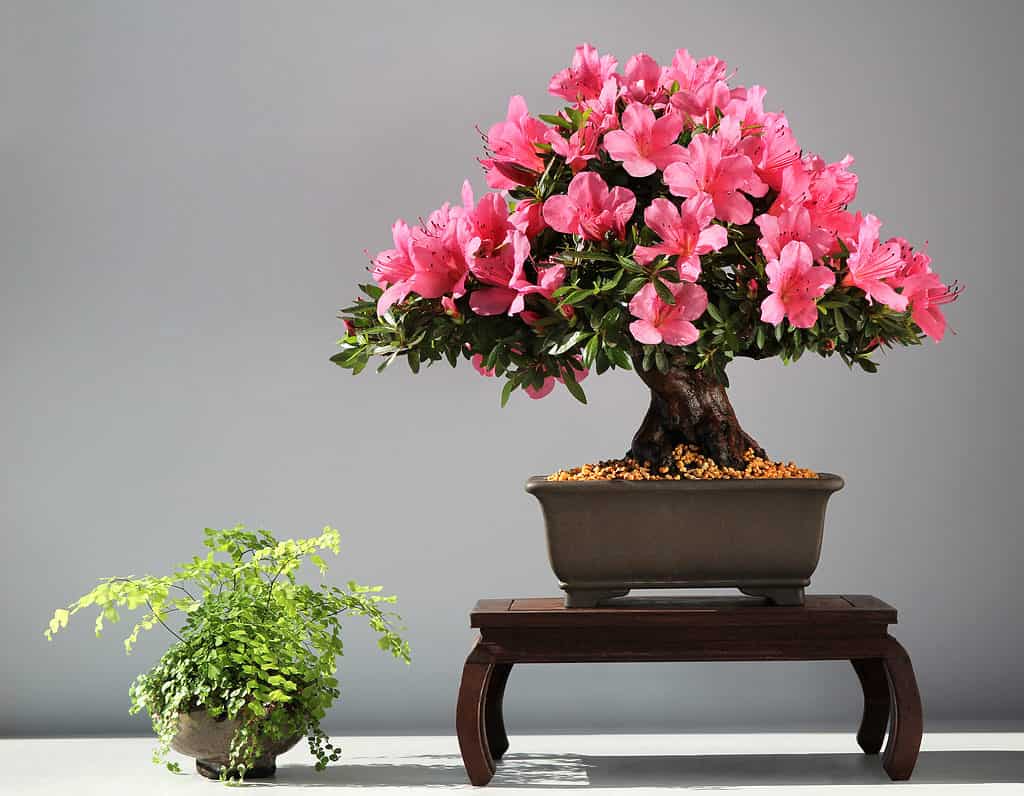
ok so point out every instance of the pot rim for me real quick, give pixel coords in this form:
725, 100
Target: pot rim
825, 482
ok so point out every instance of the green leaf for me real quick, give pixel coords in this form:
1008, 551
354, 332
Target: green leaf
506, 392
866, 364
560, 121
618, 357
610, 283
569, 378
663, 292
570, 343
576, 296
648, 360
633, 285
590, 351
611, 319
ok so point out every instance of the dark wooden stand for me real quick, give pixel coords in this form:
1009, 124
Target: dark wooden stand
826, 627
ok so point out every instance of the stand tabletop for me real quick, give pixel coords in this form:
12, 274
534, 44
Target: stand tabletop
682, 612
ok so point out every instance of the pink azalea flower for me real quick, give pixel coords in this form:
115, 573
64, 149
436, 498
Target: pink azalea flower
775, 149
645, 144
871, 262
498, 272
505, 275
729, 135
832, 187
747, 106
540, 392
486, 223
431, 261
440, 259
703, 169
923, 289
702, 87
393, 268
794, 189
642, 81
669, 323
528, 217
513, 145
795, 284
549, 383
580, 147
684, 234
824, 189
692, 75
915, 263
603, 113
549, 279
701, 106
585, 78
477, 360
589, 209
793, 224
449, 306
925, 293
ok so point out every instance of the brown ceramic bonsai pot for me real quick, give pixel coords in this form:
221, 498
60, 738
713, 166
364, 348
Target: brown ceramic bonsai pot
208, 740
762, 536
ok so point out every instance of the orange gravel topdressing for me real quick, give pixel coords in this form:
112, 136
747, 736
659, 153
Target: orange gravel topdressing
687, 463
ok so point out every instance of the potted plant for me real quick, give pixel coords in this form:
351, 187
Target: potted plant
662, 221
253, 666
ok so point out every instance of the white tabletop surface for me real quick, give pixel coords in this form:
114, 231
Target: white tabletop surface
810, 763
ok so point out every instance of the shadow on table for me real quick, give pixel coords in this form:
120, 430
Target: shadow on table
644, 771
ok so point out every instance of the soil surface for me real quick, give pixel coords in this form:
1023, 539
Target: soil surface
686, 463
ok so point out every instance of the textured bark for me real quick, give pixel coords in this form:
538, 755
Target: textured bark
691, 407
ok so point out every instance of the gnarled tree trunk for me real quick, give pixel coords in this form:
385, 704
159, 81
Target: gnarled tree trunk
690, 407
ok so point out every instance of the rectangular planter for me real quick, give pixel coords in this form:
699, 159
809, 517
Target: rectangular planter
762, 536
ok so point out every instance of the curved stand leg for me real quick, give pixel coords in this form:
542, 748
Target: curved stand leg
494, 720
875, 684
907, 717
470, 713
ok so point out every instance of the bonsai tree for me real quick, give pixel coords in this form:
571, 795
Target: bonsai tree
256, 646
662, 221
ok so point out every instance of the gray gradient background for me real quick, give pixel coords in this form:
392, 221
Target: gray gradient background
187, 190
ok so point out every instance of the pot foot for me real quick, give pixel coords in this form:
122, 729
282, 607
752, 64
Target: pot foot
263, 768
590, 598
776, 595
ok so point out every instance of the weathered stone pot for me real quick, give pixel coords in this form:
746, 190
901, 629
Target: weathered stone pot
760, 536
208, 740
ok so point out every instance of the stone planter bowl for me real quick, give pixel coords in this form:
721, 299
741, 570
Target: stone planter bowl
208, 740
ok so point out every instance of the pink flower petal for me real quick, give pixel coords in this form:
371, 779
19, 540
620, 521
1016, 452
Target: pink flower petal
644, 332
539, 392
773, 310
677, 331
491, 300
560, 214
393, 295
